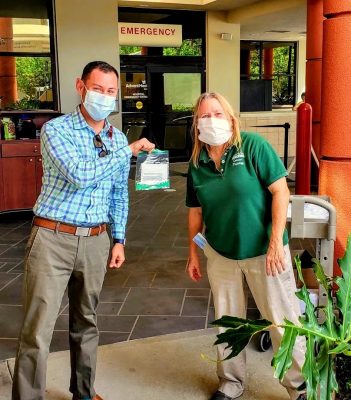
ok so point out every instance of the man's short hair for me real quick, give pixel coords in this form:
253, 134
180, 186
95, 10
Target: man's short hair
101, 65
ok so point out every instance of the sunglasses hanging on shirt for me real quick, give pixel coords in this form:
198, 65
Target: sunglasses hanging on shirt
99, 144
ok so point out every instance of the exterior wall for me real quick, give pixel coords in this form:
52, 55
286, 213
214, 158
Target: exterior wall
275, 136
223, 58
301, 69
85, 32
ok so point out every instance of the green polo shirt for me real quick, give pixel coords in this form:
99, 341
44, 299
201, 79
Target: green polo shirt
236, 204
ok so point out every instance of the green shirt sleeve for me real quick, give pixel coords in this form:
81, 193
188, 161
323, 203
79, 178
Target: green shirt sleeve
269, 167
191, 198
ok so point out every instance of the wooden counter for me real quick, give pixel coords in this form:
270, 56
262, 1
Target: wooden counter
21, 174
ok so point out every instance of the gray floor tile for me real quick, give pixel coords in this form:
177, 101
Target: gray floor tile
195, 306
142, 301
198, 292
8, 348
60, 341
10, 321
140, 279
62, 323
116, 324
112, 337
108, 308
12, 293
211, 317
178, 279
154, 326
111, 294
116, 278
5, 278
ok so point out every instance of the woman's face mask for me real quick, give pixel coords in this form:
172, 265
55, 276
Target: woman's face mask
214, 131
98, 105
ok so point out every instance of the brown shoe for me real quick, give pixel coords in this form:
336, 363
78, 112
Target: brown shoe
97, 397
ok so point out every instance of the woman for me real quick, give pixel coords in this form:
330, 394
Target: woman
237, 189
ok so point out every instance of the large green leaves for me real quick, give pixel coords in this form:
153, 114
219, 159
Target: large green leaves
239, 333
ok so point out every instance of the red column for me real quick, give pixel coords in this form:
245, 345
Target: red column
267, 63
245, 55
335, 166
8, 84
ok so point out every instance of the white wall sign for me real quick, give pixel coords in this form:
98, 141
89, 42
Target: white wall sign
150, 35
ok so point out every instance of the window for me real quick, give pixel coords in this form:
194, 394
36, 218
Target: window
273, 66
26, 56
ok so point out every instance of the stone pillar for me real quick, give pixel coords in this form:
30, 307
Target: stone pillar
335, 149
8, 83
245, 55
267, 63
314, 66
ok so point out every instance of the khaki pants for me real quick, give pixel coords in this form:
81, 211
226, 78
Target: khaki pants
53, 262
275, 299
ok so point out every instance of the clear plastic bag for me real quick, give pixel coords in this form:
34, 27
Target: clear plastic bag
152, 170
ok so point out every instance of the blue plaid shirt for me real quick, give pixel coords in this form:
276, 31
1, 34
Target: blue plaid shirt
79, 187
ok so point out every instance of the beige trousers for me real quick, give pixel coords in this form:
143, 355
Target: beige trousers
275, 299
53, 262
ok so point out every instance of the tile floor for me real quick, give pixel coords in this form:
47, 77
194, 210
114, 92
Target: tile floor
151, 295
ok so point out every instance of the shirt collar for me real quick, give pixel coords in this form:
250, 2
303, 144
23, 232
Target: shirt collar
204, 157
79, 121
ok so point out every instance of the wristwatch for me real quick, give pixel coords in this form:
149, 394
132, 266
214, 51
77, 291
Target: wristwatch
120, 241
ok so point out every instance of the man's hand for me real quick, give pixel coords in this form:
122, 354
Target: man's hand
117, 257
275, 258
193, 268
141, 145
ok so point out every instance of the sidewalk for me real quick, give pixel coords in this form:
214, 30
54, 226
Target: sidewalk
167, 367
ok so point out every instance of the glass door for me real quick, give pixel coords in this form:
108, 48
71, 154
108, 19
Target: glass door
173, 93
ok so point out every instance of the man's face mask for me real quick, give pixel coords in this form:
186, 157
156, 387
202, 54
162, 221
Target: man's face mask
98, 105
214, 131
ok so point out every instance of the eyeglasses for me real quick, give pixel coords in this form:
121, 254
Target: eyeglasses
99, 144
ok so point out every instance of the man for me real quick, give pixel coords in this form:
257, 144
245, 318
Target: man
85, 187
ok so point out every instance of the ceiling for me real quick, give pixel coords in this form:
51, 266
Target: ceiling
259, 19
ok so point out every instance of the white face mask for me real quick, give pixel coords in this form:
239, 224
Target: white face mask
214, 131
98, 105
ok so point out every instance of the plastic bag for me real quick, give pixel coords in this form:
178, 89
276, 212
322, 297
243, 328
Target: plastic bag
152, 170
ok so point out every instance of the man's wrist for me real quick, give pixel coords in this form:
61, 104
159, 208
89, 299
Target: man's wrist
119, 241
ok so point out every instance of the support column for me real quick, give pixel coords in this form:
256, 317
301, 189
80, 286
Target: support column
335, 166
267, 63
245, 55
8, 83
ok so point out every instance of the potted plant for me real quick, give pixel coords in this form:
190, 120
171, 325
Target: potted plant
327, 342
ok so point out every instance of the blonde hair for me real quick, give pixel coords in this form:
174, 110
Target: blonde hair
235, 140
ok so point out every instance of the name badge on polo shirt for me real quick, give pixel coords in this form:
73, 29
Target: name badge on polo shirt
200, 240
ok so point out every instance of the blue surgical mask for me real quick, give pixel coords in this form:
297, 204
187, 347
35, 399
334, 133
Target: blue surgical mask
98, 105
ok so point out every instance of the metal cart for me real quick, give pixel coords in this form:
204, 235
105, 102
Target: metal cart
311, 217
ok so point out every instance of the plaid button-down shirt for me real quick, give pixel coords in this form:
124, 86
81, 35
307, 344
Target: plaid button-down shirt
79, 187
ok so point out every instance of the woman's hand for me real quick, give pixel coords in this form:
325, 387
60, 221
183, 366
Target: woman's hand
275, 258
117, 257
193, 268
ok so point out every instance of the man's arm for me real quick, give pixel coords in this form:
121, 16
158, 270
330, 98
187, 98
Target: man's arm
275, 261
58, 146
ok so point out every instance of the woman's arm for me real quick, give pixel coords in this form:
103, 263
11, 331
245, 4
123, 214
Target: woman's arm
195, 225
275, 261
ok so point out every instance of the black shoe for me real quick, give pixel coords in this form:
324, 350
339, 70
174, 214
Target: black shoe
221, 396
302, 397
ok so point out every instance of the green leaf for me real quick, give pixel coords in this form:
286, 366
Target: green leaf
325, 365
309, 369
282, 360
341, 348
343, 293
239, 333
328, 310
